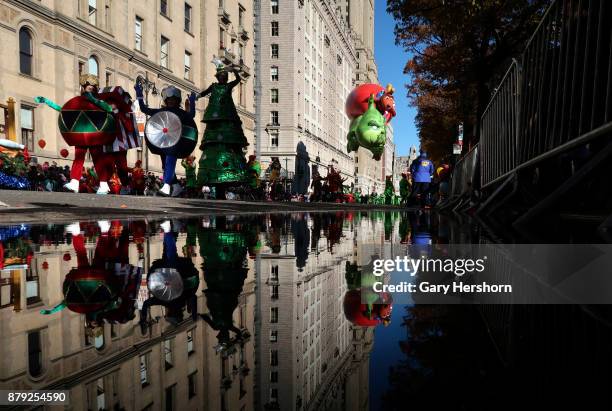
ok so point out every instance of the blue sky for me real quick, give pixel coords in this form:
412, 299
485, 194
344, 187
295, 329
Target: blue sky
391, 60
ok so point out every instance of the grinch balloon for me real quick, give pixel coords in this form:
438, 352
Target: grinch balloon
371, 99
368, 131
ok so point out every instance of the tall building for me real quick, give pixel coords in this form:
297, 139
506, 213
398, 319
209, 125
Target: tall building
47, 44
305, 66
310, 356
402, 165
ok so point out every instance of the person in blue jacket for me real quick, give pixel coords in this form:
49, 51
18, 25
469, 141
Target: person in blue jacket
422, 171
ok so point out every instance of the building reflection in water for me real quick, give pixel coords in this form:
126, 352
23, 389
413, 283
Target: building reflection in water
231, 312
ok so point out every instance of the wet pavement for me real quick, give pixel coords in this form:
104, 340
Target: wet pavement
273, 312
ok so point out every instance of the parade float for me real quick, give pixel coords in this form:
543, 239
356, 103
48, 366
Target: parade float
222, 164
370, 107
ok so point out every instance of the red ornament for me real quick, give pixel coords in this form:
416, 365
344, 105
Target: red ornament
165, 130
64, 152
225, 164
26, 156
67, 257
42, 143
45, 265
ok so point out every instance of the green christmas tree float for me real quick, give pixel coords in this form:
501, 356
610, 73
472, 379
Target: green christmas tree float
222, 164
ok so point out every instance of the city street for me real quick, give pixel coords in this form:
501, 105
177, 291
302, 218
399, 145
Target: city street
32, 207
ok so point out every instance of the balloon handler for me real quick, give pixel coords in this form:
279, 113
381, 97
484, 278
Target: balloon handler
222, 163
87, 123
171, 133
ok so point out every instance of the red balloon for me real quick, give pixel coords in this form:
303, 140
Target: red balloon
42, 143
64, 152
67, 257
357, 100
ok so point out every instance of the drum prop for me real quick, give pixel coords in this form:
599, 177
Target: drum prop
165, 284
164, 129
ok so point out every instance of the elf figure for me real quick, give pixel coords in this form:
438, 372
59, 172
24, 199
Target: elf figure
87, 123
389, 190
190, 174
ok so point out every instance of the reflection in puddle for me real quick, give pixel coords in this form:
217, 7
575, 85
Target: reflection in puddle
265, 312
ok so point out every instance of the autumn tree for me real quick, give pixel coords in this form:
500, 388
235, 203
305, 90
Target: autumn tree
459, 50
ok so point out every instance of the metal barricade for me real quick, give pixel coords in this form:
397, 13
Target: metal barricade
556, 95
463, 172
499, 126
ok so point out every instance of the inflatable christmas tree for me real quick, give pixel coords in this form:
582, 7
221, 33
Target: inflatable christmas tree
222, 164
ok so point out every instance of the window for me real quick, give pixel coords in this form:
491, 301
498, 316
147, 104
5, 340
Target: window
273, 394
274, 273
274, 73
170, 391
240, 16
163, 7
138, 33
273, 335
32, 281
221, 38
274, 315
26, 52
144, 370
187, 65
187, 18
191, 382
274, 358
164, 50
100, 394
35, 354
93, 66
274, 138
168, 354
274, 28
190, 347
92, 14
26, 118
274, 51
81, 68
274, 4
274, 288
273, 376
109, 78
274, 95
274, 118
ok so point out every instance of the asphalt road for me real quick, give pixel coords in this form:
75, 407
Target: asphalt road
36, 207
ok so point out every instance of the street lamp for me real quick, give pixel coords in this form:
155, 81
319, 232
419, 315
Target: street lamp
147, 86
